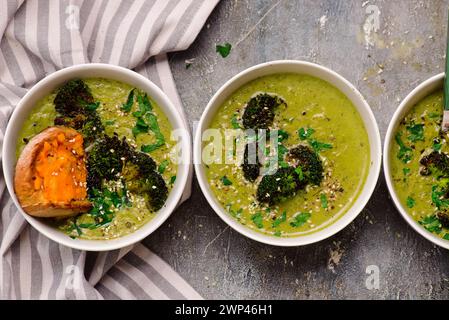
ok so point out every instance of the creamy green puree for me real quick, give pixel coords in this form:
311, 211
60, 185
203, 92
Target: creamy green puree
111, 95
316, 114
422, 193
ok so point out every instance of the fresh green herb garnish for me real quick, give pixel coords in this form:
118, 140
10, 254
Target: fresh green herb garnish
446, 236
154, 126
129, 102
103, 204
144, 104
299, 172
232, 212
437, 197
257, 219
140, 127
146, 121
282, 150
280, 219
410, 202
304, 134
436, 145
300, 219
109, 122
431, 224
92, 106
404, 153
172, 179
277, 233
226, 181
323, 199
416, 132
224, 50
282, 135
406, 171
319, 146
234, 122
163, 166
283, 164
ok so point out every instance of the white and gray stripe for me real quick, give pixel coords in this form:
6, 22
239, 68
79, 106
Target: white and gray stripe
40, 37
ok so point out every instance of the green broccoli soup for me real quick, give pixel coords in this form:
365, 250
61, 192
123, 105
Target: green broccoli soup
420, 165
129, 158
314, 174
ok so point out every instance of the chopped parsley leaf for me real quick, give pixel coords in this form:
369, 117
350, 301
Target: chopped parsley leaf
234, 122
404, 153
224, 50
162, 166
431, 224
129, 102
304, 134
416, 132
300, 219
257, 220
323, 200
226, 181
280, 219
410, 202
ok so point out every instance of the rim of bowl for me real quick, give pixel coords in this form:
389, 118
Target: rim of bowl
343, 86
417, 94
107, 71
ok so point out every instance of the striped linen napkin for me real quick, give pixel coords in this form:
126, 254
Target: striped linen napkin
38, 38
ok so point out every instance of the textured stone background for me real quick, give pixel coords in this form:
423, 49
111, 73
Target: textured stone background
385, 65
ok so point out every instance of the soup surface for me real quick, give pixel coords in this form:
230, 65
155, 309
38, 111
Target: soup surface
315, 114
418, 165
116, 211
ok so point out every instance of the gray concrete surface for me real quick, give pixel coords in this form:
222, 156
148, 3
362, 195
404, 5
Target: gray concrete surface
385, 65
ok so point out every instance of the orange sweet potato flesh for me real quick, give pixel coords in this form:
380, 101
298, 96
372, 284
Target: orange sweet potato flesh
50, 177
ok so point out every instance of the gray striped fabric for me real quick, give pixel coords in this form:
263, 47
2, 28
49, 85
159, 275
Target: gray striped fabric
39, 37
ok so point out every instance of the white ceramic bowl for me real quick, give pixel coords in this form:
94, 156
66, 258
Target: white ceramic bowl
300, 67
55, 80
423, 90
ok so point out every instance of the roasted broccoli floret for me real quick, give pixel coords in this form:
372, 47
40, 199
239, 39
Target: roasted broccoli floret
435, 162
111, 158
251, 164
260, 111
104, 160
148, 182
76, 109
309, 163
143, 161
283, 184
152, 186
72, 98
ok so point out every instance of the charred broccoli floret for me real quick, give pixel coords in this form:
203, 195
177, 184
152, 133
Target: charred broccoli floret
72, 98
260, 111
152, 185
143, 161
76, 109
92, 129
435, 162
104, 160
140, 179
251, 164
309, 162
283, 184
111, 158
